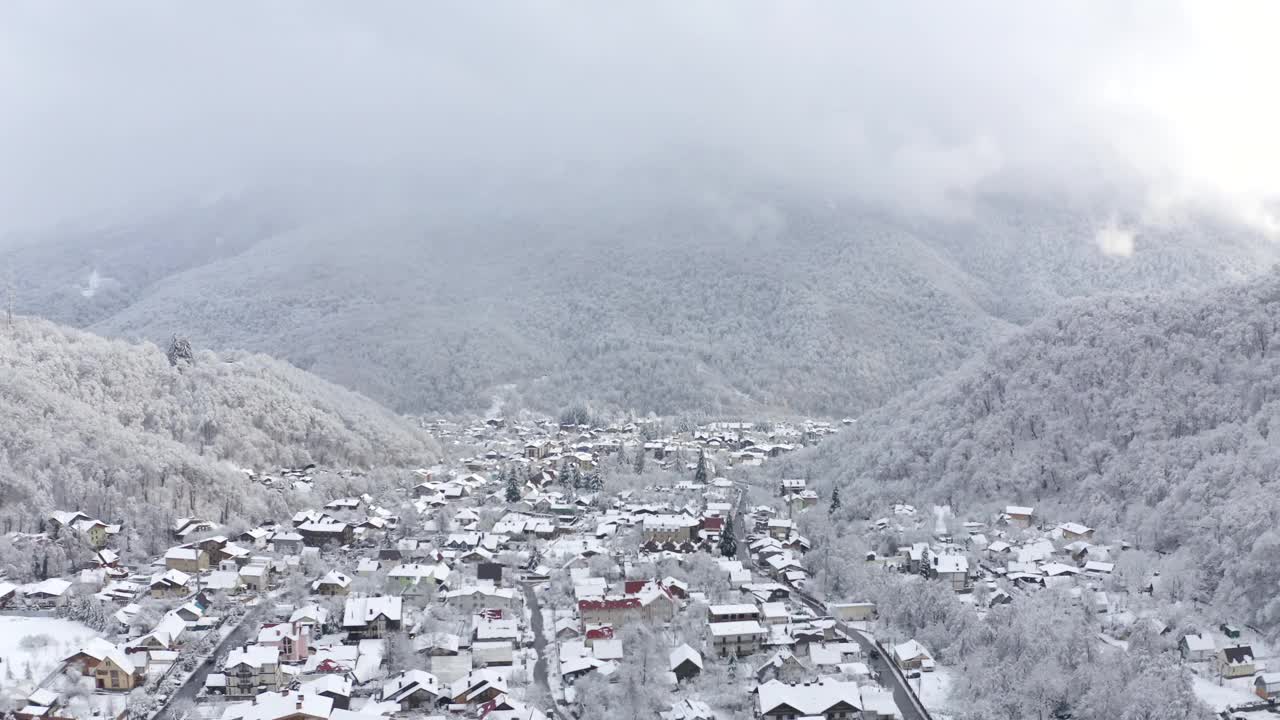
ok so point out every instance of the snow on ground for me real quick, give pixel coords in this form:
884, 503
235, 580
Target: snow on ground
32, 647
940, 515
450, 668
934, 688
1220, 697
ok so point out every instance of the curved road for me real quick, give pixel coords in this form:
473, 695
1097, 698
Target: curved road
877, 658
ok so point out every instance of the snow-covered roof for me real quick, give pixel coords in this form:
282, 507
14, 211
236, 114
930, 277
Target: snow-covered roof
683, 654
811, 698
360, 611
1198, 643
272, 706
742, 627
910, 650
254, 656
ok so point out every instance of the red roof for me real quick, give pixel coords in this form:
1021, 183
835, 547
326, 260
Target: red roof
618, 604
631, 587
604, 632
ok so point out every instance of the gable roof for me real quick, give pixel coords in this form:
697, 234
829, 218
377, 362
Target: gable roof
360, 611
811, 698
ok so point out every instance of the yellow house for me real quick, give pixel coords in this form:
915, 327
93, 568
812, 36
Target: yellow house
116, 672
1236, 661
186, 559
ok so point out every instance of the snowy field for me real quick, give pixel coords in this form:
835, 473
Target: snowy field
32, 647
933, 689
1220, 697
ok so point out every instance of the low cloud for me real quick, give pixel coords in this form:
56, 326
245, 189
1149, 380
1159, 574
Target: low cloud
1114, 241
916, 108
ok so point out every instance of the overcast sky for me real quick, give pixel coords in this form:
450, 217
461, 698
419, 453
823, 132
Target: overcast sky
912, 105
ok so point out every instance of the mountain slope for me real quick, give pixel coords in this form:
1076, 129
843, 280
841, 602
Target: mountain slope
112, 429
702, 296
1147, 417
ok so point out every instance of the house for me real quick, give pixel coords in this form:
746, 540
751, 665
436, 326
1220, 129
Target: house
371, 617
227, 581
8, 593
611, 611
1019, 516
782, 665
334, 686
878, 704
414, 579
492, 653
474, 599
312, 616
187, 559
911, 655
118, 673
1073, 531
792, 486
164, 636
853, 612
667, 528
732, 613
685, 662
291, 639
280, 706
1236, 661
255, 537
1267, 685
287, 543
109, 666
256, 576
252, 669
320, 534
53, 592
185, 527
740, 638
412, 689
1196, 647
779, 529
333, 583
477, 687
953, 569
826, 698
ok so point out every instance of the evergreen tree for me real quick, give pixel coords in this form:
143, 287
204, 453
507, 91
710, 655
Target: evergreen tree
639, 467
728, 543
700, 474
835, 501
513, 491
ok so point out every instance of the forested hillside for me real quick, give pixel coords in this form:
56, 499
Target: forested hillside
116, 431
1148, 418
701, 296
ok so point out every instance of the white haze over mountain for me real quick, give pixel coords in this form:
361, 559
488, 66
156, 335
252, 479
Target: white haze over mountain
800, 206
118, 108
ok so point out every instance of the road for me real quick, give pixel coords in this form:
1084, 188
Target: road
539, 639
878, 661
905, 698
740, 527
191, 688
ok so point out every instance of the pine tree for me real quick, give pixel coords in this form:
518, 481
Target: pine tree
513, 491
639, 467
835, 501
728, 543
700, 475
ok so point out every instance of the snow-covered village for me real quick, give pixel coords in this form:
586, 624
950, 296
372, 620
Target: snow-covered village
562, 570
